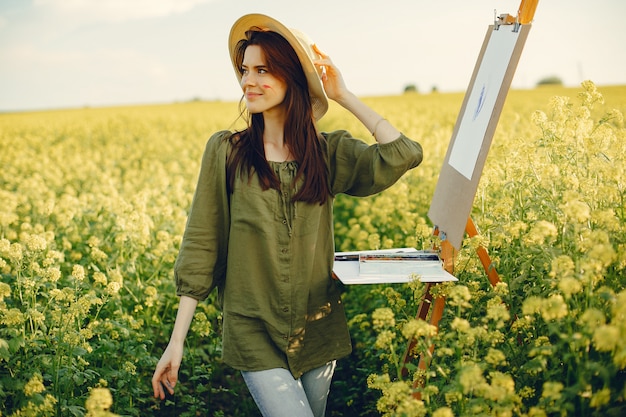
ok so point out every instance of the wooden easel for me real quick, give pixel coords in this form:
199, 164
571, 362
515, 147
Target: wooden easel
448, 255
431, 308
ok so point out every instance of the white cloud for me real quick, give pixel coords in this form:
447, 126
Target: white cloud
120, 10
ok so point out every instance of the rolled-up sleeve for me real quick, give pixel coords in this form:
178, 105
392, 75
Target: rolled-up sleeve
359, 169
201, 262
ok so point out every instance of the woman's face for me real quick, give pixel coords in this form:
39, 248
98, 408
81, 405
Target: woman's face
263, 92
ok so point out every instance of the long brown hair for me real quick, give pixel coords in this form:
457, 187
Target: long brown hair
299, 132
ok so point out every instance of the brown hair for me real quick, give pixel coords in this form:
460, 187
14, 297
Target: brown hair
300, 133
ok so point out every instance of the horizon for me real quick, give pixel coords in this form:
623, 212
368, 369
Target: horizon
235, 101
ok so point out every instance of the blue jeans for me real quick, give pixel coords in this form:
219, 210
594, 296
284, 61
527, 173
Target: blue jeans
278, 394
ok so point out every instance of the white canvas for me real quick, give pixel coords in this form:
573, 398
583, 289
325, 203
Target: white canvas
482, 99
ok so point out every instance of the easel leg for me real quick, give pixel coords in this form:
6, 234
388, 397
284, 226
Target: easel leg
422, 313
492, 274
425, 358
448, 255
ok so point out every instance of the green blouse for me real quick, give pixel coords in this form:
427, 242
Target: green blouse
271, 259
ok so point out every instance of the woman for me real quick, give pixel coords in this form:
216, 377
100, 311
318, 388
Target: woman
260, 229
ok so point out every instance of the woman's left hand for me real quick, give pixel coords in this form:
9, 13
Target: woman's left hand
332, 79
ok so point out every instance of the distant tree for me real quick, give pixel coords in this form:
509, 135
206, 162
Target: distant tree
551, 80
434, 89
410, 88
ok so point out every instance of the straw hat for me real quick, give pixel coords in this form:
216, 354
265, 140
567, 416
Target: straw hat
298, 41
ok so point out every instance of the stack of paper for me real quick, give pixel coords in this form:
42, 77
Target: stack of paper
390, 266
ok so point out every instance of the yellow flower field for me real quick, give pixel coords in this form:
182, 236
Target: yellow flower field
93, 203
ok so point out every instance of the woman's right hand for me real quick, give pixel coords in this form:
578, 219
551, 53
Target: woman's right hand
166, 373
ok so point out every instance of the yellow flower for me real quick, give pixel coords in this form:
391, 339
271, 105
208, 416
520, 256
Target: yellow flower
5, 291
150, 291
591, 95
78, 272
570, 286
606, 337
100, 399
98, 255
113, 288
443, 412
52, 257
93, 241
71, 338
538, 118
116, 276
517, 228
201, 325
541, 232
592, 318
397, 400
471, 378
532, 305
494, 337
51, 274
444, 351
600, 398
460, 325
13, 317
576, 211
383, 317
619, 357
15, 253
558, 103
552, 390
562, 266
34, 386
5, 245
86, 333
616, 116
542, 347
554, 308
603, 253
375, 381
151, 295
460, 296
129, 367
497, 312
452, 397
35, 243
394, 298
418, 328
526, 392
501, 387
36, 316
373, 241
100, 278
522, 324
606, 219
536, 412
384, 339
501, 288
495, 357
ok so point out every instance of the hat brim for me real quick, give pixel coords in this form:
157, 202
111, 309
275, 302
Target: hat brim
298, 41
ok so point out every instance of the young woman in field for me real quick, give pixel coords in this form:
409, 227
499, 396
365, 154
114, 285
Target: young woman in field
260, 229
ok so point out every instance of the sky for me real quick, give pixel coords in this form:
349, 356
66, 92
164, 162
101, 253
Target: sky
76, 53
